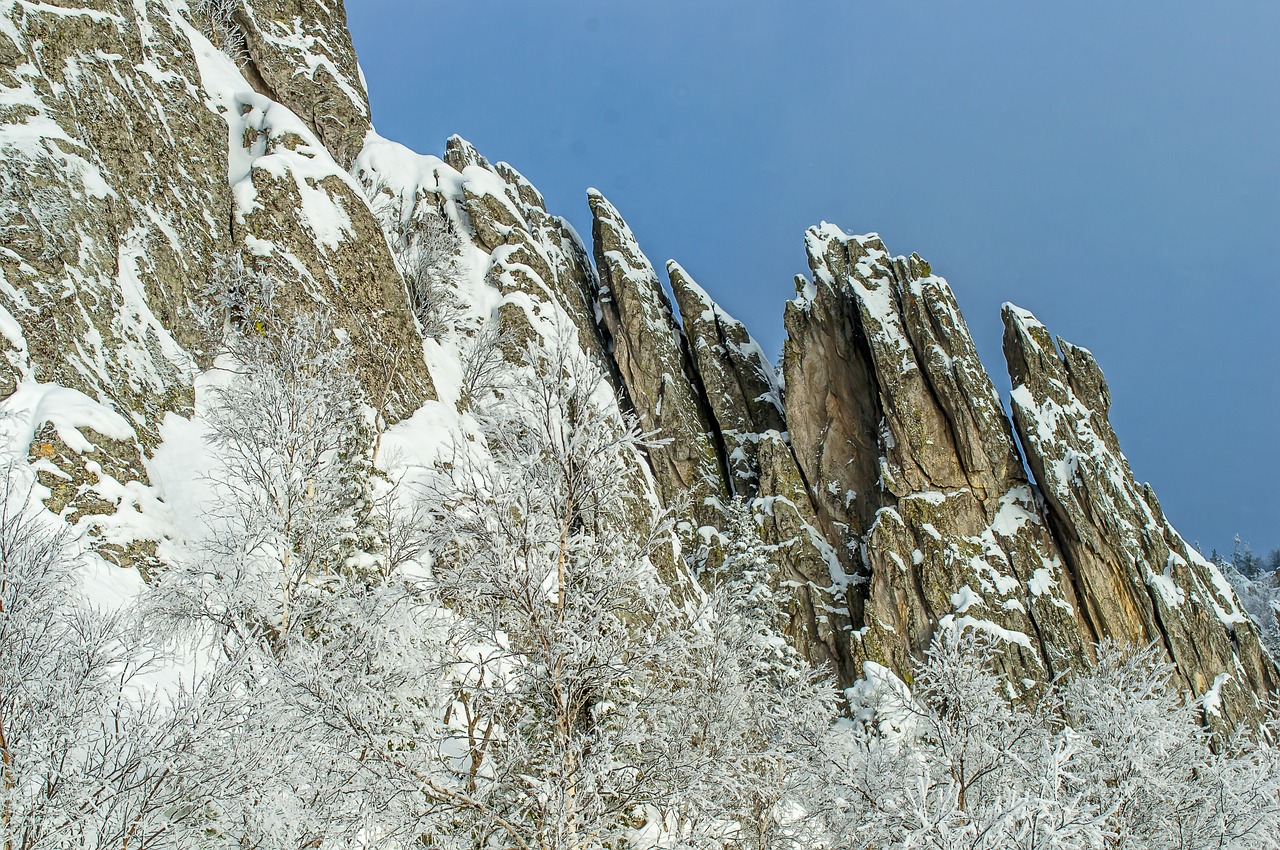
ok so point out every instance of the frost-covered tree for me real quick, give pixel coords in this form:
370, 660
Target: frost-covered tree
950, 762
1260, 597
287, 427
88, 753
327, 653
217, 19
1146, 764
592, 705
745, 708
326, 741
1115, 757
559, 635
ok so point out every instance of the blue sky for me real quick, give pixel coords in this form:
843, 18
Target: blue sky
1110, 166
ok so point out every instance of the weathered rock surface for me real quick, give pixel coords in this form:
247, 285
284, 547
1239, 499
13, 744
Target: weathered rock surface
523, 276
137, 164
903, 440
1138, 579
113, 201
745, 399
300, 55
306, 223
738, 381
660, 379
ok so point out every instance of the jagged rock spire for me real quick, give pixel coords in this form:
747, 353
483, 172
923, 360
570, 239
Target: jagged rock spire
739, 383
1138, 579
904, 442
655, 366
745, 398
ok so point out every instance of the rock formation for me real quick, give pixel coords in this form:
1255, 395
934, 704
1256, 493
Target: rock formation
644, 341
738, 382
144, 166
1137, 578
913, 466
299, 54
120, 130
745, 400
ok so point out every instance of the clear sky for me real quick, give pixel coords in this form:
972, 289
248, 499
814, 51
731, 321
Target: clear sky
1111, 166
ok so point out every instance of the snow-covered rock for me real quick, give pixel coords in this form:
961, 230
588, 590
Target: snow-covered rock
1138, 580
147, 171
903, 438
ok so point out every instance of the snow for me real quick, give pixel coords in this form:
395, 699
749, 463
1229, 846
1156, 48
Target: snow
882, 700
959, 624
1212, 699
1013, 514
413, 446
33, 404
483, 182
1165, 585
1024, 317
11, 330
178, 469
964, 599
279, 144
1042, 582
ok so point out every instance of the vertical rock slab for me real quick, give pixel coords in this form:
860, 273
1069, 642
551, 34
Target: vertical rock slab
300, 54
657, 371
1139, 580
915, 477
746, 407
739, 383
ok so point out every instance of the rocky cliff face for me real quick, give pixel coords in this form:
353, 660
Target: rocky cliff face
141, 172
661, 380
891, 484
148, 171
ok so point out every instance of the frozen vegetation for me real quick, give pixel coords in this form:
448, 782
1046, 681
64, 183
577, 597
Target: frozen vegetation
351, 499
494, 663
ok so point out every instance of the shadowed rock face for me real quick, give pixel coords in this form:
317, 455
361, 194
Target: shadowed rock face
745, 400
739, 383
1139, 580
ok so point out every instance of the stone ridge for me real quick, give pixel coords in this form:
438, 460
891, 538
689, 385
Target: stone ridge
903, 437
140, 168
891, 485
